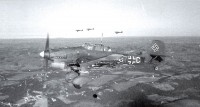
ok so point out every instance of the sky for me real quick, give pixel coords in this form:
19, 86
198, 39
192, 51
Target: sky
61, 18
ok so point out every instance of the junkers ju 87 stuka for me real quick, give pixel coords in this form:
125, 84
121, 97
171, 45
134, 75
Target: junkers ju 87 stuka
78, 59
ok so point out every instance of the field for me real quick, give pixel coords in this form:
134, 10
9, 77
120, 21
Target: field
175, 84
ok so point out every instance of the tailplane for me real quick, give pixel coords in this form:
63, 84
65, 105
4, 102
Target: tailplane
157, 51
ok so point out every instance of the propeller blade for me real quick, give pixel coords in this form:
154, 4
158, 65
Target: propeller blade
47, 50
47, 43
46, 53
46, 64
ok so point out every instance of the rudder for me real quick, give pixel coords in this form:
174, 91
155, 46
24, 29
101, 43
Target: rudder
157, 50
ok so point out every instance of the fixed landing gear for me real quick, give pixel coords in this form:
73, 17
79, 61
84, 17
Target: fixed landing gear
71, 75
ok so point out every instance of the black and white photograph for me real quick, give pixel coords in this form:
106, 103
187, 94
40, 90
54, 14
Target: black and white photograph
99, 53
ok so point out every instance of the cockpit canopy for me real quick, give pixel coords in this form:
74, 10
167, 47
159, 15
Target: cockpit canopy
97, 47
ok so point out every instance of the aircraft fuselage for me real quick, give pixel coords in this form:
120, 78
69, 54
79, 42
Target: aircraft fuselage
76, 54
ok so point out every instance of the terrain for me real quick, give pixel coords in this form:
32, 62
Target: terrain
174, 84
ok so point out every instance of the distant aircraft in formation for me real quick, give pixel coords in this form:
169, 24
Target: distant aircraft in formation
88, 29
118, 32
79, 30
76, 60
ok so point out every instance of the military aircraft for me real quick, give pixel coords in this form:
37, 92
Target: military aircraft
88, 29
118, 32
79, 30
76, 60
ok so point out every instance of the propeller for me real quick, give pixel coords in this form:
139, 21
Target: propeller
46, 53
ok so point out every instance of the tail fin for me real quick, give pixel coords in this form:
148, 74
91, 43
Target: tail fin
157, 51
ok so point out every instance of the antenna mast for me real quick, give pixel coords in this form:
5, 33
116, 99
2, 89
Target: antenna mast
102, 39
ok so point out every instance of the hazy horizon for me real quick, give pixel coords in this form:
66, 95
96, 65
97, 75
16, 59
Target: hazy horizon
96, 37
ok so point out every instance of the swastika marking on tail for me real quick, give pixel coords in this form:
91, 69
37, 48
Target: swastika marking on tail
155, 47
